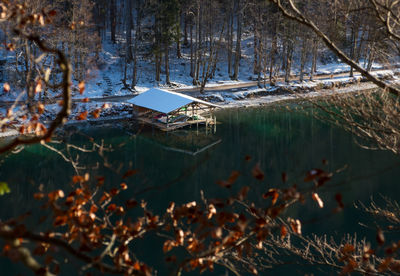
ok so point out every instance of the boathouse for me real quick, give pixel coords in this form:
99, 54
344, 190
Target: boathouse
170, 110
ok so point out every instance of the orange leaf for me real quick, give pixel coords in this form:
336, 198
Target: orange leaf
10, 47
296, 226
136, 266
211, 211
53, 196
120, 210
129, 173
96, 113
243, 192
82, 116
217, 233
123, 186
380, 237
81, 87
60, 221
111, 207
258, 173
60, 193
52, 13
339, 200
38, 87
100, 180
274, 197
40, 250
283, 231
77, 178
168, 245
348, 248
105, 197
352, 264
38, 196
384, 265
6, 248
131, 203
272, 193
253, 270
316, 197
114, 191
40, 108
232, 179
41, 20
94, 209
85, 100
6, 87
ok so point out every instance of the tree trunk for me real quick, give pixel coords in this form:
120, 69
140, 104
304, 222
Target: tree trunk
230, 39
255, 62
288, 61
238, 49
354, 38
314, 58
185, 31
303, 58
212, 60
371, 57
135, 46
191, 52
113, 21
166, 55
198, 44
128, 30
178, 36
274, 48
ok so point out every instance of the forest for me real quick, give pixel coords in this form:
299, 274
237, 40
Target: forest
207, 38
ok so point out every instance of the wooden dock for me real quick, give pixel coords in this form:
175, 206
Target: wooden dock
173, 126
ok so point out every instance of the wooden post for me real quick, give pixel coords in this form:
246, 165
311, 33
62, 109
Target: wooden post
167, 120
215, 124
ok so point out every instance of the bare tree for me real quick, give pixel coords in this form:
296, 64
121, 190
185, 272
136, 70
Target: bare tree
290, 10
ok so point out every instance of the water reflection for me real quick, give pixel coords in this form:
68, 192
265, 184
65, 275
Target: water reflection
176, 166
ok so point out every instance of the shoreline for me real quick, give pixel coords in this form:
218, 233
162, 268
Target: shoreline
260, 99
251, 102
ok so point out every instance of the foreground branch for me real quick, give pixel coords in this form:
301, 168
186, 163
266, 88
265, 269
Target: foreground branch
62, 115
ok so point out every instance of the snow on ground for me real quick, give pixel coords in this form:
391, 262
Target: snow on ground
106, 80
265, 100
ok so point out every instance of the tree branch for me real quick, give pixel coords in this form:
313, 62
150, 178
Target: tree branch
62, 115
298, 16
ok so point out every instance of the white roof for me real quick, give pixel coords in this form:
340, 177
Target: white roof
164, 101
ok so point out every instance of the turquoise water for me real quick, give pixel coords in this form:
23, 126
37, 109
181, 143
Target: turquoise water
177, 166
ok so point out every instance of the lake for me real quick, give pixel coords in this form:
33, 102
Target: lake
177, 166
